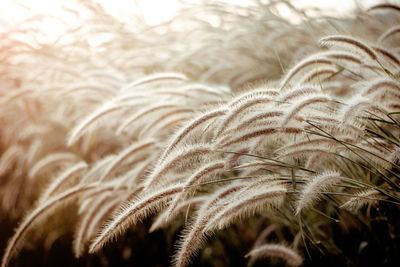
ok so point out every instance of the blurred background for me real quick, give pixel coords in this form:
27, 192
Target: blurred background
153, 12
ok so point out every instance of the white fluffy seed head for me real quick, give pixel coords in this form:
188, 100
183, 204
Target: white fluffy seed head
315, 187
281, 251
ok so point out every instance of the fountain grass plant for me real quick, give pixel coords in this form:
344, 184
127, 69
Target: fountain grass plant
246, 141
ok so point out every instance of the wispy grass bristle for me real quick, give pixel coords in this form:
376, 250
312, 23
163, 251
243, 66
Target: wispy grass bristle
290, 256
315, 187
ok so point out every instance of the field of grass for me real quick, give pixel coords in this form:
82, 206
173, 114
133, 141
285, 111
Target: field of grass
226, 136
